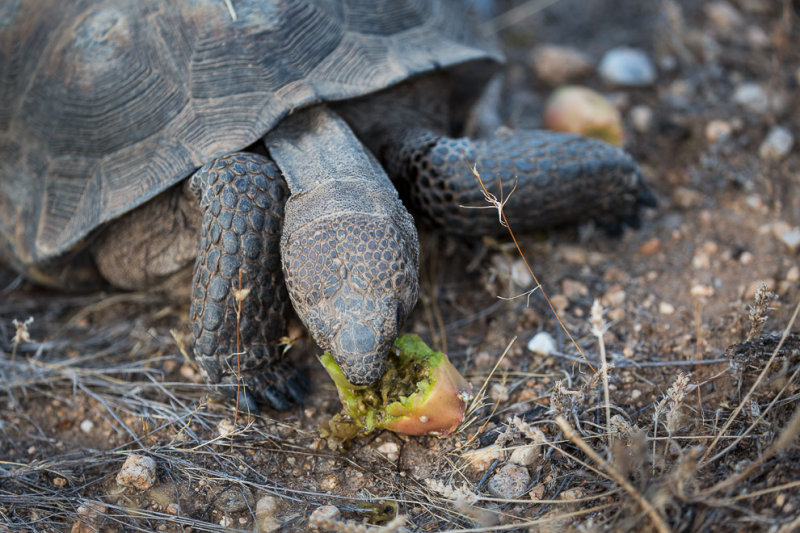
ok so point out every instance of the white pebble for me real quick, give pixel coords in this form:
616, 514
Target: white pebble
777, 145
542, 343
642, 118
793, 274
390, 450
755, 98
87, 426
138, 471
628, 67
666, 308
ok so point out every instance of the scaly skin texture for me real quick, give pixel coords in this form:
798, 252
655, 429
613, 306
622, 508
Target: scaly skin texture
556, 178
242, 196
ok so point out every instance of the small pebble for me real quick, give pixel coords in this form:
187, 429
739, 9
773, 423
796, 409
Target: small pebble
572, 288
628, 67
509, 482
642, 118
483, 458
793, 274
525, 455
556, 65
754, 97
498, 393
226, 522
718, 129
701, 291
329, 483
234, 499
777, 145
87, 426
520, 274
265, 514
650, 246
542, 343
322, 515
575, 109
173, 509
572, 494
390, 450
138, 471
666, 308
724, 18
225, 427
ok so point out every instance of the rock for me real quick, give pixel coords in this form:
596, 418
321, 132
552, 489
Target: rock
509, 482
265, 514
793, 274
724, 18
329, 482
642, 118
234, 499
755, 98
627, 67
323, 515
525, 455
390, 450
482, 458
91, 517
542, 343
650, 246
790, 236
718, 129
87, 426
556, 65
666, 308
138, 471
581, 110
777, 145
573, 288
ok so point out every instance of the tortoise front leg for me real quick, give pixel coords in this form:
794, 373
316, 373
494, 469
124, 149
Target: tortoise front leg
239, 301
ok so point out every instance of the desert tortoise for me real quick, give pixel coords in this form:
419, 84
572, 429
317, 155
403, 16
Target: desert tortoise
110, 107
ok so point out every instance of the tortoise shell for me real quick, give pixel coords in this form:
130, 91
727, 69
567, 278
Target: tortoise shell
105, 104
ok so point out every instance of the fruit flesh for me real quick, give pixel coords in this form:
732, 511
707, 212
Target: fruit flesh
420, 393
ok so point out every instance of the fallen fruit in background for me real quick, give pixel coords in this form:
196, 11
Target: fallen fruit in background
420, 393
574, 109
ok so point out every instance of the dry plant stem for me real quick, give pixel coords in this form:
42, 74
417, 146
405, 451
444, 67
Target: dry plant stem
499, 205
475, 404
598, 328
755, 385
739, 437
786, 438
698, 318
646, 506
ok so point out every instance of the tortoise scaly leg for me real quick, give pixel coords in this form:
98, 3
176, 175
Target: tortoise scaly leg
557, 178
239, 301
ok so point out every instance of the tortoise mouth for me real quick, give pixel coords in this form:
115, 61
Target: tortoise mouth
361, 353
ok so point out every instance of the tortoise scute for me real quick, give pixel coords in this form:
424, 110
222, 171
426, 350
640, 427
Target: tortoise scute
108, 104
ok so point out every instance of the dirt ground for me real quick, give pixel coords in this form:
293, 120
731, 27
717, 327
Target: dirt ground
700, 437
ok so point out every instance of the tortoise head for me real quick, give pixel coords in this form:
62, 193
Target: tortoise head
352, 279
